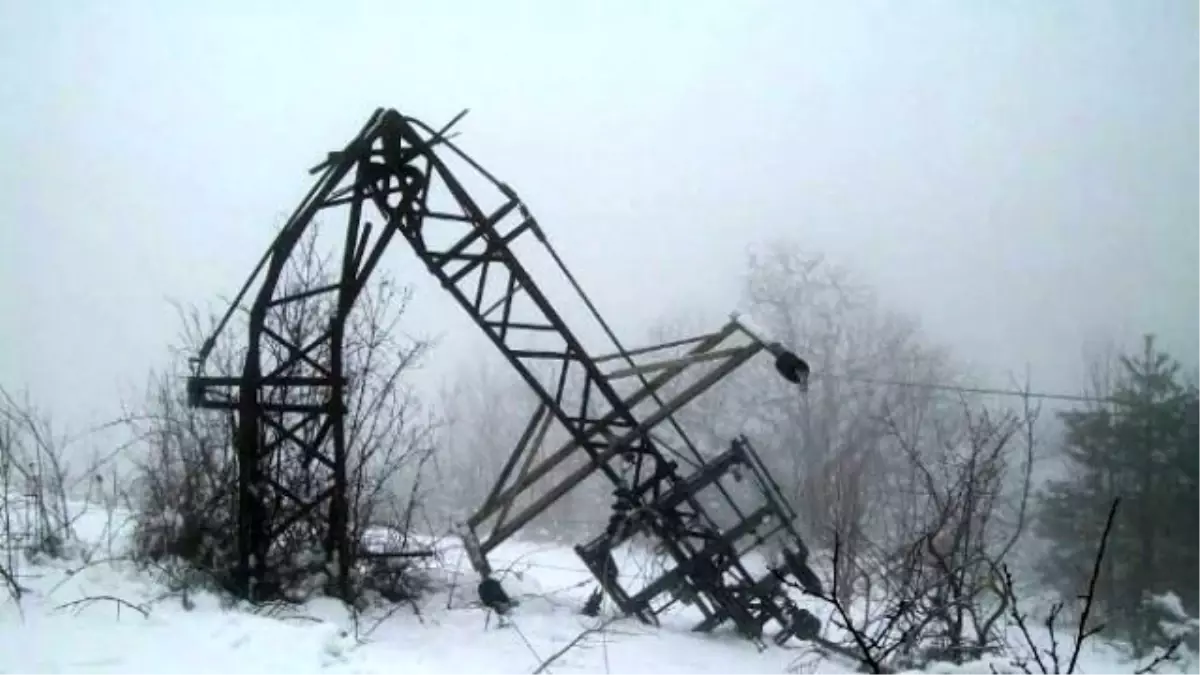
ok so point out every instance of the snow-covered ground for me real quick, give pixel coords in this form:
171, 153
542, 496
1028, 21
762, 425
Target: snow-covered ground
96, 613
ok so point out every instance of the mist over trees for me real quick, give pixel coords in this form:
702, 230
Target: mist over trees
927, 495
924, 503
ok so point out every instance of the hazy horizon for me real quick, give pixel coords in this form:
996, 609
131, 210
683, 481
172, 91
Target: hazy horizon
1021, 176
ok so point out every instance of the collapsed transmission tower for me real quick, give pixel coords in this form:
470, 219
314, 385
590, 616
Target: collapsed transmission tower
401, 177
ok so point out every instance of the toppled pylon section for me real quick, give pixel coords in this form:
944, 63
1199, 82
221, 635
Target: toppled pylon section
400, 179
708, 570
715, 519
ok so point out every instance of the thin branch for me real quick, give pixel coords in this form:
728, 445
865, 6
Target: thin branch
14, 589
1082, 633
1166, 656
82, 602
571, 645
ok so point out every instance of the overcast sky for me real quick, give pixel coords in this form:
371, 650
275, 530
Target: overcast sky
1021, 175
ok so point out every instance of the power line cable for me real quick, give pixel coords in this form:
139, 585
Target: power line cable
1021, 393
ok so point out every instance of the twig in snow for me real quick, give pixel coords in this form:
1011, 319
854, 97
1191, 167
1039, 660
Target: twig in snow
83, 602
1166, 656
571, 645
14, 589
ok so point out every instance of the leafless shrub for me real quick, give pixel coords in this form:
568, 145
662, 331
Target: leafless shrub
1048, 660
882, 639
35, 481
11, 529
38, 513
915, 623
185, 492
924, 587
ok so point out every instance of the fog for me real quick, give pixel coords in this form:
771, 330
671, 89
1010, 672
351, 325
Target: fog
1022, 176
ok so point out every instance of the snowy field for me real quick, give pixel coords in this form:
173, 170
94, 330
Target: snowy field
96, 613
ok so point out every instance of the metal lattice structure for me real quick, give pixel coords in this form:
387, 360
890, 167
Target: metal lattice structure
401, 178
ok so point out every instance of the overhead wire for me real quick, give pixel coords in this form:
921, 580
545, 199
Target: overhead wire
991, 391
628, 358
643, 380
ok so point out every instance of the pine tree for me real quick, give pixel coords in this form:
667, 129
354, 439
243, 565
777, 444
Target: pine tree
1143, 449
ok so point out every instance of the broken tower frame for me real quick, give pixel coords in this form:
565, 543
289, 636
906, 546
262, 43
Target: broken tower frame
707, 570
395, 178
611, 439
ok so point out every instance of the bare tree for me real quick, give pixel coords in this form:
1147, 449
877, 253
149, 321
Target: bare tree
829, 447
852, 343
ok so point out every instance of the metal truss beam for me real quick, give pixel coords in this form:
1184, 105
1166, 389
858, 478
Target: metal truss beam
394, 180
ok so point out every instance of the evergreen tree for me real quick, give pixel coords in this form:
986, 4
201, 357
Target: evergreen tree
1142, 448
